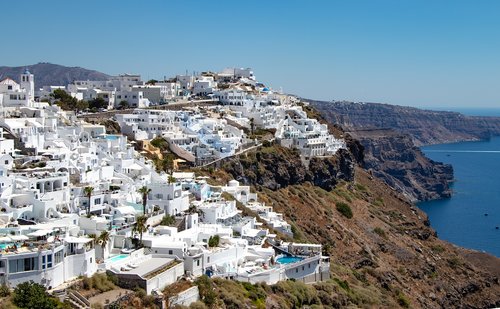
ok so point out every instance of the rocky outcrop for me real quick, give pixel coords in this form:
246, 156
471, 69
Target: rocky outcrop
394, 158
275, 167
424, 126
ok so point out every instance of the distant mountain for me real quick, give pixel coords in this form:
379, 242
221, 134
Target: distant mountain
48, 74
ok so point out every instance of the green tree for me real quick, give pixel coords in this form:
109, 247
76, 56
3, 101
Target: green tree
98, 103
151, 82
124, 104
67, 102
140, 226
213, 241
252, 125
144, 191
95, 239
171, 179
168, 220
88, 192
33, 295
104, 238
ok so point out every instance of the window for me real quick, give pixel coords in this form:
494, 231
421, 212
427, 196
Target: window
197, 262
58, 257
9, 87
97, 201
49, 261
170, 252
20, 265
208, 259
6, 162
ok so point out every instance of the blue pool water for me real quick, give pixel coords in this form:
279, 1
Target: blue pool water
3, 246
470, 217
288, 259
112, 137
117, 258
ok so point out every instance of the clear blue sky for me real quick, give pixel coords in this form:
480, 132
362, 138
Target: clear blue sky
422, 53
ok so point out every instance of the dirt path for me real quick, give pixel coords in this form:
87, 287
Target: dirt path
110, 295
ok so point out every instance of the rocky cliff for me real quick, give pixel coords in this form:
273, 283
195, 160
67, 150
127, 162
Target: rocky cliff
424, 126
275, 167
392, 157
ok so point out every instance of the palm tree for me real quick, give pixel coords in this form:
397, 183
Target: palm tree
140, 226
171, 179
88, 192
95, 239
144, 191
104, 238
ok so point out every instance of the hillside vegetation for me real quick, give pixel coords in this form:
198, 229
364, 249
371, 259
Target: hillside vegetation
383, 252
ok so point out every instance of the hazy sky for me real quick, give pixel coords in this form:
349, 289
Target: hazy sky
431, 53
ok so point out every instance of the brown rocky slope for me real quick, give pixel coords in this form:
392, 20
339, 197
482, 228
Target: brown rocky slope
385, 255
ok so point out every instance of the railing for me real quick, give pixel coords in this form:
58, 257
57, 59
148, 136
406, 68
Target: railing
78, 298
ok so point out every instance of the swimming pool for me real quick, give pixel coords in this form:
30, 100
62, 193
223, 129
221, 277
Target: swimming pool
117, 258
112, 137
289, 259
3, 246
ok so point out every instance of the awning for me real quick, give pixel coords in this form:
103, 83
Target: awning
40, 233
77, 240
134, 166
19, 237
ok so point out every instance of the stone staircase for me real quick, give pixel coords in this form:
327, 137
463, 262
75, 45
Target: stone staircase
75, 299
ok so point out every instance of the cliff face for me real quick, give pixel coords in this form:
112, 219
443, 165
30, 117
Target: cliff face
424, 126
392, 157
276, 167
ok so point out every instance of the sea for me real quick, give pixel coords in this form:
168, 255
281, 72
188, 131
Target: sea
471, 217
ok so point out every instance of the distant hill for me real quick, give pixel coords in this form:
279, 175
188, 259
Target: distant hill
426, 127
47, 74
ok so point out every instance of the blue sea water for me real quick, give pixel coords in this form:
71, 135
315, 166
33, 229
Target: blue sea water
470, 217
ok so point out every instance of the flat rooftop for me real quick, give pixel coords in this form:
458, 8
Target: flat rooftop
148, 266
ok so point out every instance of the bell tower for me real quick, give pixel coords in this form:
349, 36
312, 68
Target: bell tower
28, 83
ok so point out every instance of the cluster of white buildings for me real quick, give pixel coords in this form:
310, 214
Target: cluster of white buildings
49, 158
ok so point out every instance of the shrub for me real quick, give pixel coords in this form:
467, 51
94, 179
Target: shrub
437, 248
360, 187
380, 232
344, 209
403, 300
33, 295
4, 290
168, 220
100, 282
213, 241
207, 293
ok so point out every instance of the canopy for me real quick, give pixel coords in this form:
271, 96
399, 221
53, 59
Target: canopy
40, 233
19, 237
77, 240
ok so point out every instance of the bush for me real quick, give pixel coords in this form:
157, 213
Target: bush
99, 282
403, 300
344, 209
380, 232
213, 241
207, 293
168, 220
4, 290
33, 295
